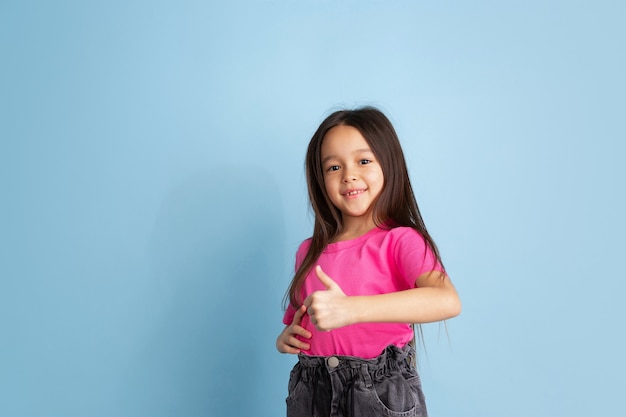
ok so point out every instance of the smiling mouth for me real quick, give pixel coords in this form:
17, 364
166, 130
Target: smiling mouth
353, 193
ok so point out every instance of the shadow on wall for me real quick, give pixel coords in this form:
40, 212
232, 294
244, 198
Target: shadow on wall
215, 248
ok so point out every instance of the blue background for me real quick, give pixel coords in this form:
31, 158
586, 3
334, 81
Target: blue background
153, 196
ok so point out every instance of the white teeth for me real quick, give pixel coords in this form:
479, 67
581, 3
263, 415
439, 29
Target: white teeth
353, 192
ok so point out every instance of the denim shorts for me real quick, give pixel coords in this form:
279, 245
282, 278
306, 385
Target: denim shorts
345, 386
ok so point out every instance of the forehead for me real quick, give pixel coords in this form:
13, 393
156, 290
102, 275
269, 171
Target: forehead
343, 140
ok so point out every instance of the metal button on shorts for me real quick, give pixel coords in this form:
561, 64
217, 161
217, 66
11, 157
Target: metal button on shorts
333, 362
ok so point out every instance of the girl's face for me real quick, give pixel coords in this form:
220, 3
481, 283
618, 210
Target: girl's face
352, 176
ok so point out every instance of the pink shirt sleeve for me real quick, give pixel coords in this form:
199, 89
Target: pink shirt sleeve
300, 254
413, 256
289, 313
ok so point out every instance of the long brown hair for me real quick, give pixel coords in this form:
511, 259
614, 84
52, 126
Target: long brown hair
395, 206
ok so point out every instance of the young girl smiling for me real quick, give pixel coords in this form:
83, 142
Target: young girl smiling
368, 273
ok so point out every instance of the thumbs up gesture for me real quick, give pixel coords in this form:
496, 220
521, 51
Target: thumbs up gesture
328, 309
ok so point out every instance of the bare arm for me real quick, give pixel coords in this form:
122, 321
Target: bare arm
435, 299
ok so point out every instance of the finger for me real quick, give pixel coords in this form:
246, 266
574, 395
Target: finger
297, 318
284, 348
292, 345
307, 302
301, 331
299, 344
325, 279
289, 343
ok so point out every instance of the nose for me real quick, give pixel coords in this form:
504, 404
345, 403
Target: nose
348, 176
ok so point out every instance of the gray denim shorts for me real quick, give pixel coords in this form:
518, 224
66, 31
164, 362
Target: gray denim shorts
345, 386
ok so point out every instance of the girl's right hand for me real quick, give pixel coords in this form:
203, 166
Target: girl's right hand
287, 341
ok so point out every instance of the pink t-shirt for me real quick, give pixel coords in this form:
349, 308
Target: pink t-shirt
380, 261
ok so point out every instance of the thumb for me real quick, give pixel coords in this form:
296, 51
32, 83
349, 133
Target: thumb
325, 279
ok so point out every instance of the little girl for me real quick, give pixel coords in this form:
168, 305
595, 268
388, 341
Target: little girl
368, 273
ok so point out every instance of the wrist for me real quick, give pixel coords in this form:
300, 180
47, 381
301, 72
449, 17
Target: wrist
357, 314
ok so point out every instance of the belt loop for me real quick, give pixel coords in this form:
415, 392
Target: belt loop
366, 376
412, 356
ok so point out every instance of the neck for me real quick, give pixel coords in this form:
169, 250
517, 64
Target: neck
354, 227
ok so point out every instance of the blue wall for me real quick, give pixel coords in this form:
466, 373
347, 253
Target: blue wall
153, 196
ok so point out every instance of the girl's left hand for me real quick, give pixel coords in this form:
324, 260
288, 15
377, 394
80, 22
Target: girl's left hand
328, 309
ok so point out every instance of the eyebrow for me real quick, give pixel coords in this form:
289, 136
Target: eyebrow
357, 151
